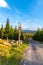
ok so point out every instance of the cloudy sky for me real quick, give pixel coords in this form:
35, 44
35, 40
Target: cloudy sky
28, 12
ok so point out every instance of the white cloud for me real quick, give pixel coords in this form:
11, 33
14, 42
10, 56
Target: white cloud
3, 3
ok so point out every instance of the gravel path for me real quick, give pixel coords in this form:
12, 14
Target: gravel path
34, 54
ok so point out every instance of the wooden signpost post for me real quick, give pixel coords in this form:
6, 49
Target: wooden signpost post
19, 30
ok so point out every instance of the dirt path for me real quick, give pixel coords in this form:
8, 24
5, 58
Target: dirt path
34, 54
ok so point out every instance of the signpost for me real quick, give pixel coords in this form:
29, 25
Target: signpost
19, 30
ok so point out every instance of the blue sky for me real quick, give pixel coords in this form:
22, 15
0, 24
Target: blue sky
28, 12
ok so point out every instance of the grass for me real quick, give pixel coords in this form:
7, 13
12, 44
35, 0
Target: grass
1, 41
11, 55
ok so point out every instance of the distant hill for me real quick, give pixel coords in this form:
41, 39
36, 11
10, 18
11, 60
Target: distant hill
29, 31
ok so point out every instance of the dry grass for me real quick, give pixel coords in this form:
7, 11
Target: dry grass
1, 41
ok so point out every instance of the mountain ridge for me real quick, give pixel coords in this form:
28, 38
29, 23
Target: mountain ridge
29, 31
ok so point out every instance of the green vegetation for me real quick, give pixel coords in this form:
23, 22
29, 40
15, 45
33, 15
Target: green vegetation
8, 32
11, 55
26, 36
38, 35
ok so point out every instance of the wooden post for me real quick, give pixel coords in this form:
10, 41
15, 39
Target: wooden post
19, 30
7, 39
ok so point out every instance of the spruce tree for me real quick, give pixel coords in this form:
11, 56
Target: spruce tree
7, 29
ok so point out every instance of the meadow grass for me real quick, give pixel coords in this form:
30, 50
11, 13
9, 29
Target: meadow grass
11, 55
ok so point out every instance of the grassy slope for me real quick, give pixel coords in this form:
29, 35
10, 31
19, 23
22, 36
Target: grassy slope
11, 55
